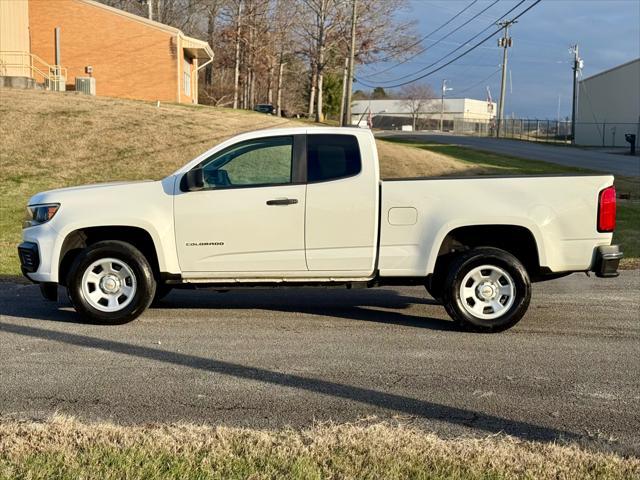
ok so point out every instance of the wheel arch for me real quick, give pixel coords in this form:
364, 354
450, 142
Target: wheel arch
517, 239
81, 238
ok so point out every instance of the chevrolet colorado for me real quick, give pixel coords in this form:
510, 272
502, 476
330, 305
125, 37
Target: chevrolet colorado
306, 206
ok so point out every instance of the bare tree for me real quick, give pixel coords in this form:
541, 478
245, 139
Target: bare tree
381, 33
415, 97
283, 19
280, 51
236, 74
212, 10
324, 17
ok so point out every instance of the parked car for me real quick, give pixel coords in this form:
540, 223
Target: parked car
306, 206
265, 108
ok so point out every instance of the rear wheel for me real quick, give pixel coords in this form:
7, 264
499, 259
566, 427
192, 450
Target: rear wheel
487, 290
111, 282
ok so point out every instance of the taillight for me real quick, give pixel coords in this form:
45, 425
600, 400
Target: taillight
607, 210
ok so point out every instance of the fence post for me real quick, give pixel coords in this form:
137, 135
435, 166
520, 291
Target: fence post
547, 132
520, 136
604, 129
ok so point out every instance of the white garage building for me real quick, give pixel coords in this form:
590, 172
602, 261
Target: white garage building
609, 107
395, 114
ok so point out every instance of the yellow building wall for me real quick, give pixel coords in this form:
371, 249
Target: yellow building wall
14, 37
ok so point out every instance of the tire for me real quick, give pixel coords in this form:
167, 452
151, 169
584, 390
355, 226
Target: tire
111, 283
162, 290
486, 290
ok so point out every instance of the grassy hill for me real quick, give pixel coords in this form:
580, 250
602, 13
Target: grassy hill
52, 140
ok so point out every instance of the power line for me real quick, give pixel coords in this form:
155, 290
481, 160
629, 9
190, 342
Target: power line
479, 83
420, 52
389, 57
469, 50
455, 49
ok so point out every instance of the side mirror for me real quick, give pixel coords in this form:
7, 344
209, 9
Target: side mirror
192, 180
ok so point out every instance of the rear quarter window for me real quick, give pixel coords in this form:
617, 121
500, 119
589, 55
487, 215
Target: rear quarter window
330, 157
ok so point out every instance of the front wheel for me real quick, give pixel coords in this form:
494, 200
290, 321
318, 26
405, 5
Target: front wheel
111, 282
487, 290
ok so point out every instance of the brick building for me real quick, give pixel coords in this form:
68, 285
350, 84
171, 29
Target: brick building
130, 56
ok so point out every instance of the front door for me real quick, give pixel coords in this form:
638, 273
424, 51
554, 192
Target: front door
249, 217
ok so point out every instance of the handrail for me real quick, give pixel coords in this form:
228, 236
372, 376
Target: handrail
33, 66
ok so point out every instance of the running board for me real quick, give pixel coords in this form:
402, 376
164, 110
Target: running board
297, 280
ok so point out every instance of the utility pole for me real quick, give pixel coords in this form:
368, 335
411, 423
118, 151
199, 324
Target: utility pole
346, 120
236, 72
505, 43
343, 98
444, 92
577, 67
150, 9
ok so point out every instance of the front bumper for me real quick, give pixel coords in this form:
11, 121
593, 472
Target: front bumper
29, 258
607, 258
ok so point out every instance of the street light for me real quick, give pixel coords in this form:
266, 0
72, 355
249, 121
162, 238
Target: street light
445, 89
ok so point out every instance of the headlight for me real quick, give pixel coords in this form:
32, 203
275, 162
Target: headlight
39, 214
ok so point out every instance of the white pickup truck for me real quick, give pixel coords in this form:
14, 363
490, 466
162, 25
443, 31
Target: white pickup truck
306, 206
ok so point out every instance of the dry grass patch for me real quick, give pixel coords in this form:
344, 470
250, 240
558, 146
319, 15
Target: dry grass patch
402, 161
64, 448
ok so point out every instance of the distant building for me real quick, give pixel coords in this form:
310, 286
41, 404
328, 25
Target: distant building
609, 106
396, 114
128, 56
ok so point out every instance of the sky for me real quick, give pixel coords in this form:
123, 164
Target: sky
539, 64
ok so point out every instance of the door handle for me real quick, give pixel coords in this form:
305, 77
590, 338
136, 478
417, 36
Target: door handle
282, 201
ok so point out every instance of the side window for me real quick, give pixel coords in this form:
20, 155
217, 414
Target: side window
330, 157
263, 161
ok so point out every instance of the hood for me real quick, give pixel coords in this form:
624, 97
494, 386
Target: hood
60, 194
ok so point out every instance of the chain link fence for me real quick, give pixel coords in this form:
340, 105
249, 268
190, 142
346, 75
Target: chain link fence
605, 134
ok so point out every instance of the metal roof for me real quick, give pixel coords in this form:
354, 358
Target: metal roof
610, 69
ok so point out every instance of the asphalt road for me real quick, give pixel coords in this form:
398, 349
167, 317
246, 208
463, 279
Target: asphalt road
561, 155
269, 358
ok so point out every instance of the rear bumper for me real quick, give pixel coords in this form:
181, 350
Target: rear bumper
607, 258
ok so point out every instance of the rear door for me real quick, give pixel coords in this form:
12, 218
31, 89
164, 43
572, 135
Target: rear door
341, 204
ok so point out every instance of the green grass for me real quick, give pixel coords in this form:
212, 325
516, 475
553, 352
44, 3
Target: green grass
63, 448
496, 163
627, 231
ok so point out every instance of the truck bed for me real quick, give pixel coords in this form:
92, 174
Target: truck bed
560, 211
